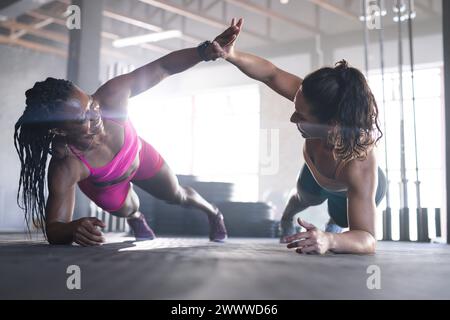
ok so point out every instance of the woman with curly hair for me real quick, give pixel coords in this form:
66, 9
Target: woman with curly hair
336, 113
94, 145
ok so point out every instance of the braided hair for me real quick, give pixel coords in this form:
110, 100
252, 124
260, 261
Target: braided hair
33, 137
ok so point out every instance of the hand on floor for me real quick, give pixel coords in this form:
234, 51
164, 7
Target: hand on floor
313, 241
86, 233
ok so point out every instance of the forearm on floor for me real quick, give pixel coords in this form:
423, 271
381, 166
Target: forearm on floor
353, 241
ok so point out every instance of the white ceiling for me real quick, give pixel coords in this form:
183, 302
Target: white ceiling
267, 24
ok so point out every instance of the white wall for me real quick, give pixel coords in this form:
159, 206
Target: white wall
20, 69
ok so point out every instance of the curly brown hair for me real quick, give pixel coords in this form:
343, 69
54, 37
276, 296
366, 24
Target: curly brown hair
342, 96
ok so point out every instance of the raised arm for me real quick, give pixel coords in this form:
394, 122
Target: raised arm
282, 82
114, 93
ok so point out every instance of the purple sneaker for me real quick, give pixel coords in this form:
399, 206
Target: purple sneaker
217, 230
140, 228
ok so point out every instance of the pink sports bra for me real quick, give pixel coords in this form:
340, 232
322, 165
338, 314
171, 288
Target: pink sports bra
121, 162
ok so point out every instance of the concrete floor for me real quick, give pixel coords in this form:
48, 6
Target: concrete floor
193, 268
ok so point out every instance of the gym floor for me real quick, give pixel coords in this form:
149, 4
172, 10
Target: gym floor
193, 268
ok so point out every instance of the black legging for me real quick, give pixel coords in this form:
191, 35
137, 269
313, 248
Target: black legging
337, 201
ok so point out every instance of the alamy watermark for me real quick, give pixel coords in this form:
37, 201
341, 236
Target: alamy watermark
269, 152
373, 14
74, 280
374, 280
73, 17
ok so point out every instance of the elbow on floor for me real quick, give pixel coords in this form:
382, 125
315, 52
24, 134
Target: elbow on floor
370, 245
53, 240
58, 242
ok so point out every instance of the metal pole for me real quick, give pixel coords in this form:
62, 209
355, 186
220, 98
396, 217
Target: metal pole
422, 213
83, 66
402, 113
411, 58
366, 38
404, 210
387, 214
446, 72
381, 41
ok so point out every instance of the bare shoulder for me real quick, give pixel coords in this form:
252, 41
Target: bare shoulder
114, 94
361, 172
64, 171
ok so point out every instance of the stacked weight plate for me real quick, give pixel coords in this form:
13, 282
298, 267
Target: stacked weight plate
249, 219
147, 206
169, 219
196, 222
176, 220
242, 219
214, 192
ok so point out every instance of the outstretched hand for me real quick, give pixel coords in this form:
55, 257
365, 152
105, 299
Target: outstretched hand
313, 241
223, 44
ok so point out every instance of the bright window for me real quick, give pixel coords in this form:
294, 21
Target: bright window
213, 135
429, 132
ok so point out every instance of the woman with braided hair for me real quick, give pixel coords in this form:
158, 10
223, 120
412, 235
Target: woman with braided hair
336, 113
92, 143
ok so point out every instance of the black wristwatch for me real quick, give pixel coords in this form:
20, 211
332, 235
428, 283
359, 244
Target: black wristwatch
201, 50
